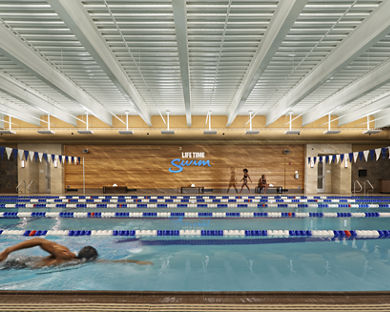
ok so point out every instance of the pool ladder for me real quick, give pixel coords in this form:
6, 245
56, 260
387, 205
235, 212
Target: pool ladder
367, 187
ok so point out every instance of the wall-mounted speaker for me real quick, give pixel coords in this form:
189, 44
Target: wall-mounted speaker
85, 151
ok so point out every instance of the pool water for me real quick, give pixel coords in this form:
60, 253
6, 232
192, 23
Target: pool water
203, 264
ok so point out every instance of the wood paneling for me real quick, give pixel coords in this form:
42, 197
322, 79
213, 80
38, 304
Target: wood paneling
146, 166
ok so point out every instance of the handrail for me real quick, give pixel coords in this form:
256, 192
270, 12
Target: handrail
354, 186
20, 184
369, 184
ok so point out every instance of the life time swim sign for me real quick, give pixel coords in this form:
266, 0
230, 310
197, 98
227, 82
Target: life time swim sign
189, 159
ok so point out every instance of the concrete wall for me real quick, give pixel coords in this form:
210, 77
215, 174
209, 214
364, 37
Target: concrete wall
41, 177
8, 175
337, 177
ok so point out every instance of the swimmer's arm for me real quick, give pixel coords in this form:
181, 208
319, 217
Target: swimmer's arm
58, 251
125, 261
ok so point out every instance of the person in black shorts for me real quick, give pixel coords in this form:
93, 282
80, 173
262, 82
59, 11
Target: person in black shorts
245, 180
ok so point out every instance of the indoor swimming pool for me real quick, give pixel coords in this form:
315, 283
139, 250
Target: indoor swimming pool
289, 244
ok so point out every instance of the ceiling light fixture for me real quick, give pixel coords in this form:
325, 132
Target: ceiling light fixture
370, 131
250, 131
209, 131
329, 131
48, 131
167, 131
290, 131
9, 130
86, 131
127, 131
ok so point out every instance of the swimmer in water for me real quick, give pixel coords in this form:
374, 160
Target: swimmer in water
58, 255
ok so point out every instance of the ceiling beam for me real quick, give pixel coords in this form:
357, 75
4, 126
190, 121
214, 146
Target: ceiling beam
367, 83
11, 111
180, 16
73, 13
25, 95
16, 49
373, 29
364, 110
382, 119
284, 17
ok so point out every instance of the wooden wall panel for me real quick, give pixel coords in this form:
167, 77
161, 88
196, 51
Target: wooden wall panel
146, 166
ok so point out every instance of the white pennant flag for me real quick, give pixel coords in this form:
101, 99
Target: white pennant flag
9, 152
56, 158
40, 156
337, 158
389, 151
355, 156
312, 162
366, 153
69, 159
345, 160
20, 153
49, 158
378, 153
31, 154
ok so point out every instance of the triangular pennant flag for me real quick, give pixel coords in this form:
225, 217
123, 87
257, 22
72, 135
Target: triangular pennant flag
365, 153
60, 158
389, 151
15, 153
384, 151
53, 157
26, 153
372, 154
309, 160
69, 158
2, 149
21, 153
40, 155
350, 157
341, 157
361, 155
355, 156
345, 160
312, 162
78, 159
327, 159
9, 152
320, 159
315, 160
378, 153
56, 157
45, 157
337, 158
36, 156
31, 154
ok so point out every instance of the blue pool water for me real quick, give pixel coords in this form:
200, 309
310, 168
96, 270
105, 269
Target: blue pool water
206, 265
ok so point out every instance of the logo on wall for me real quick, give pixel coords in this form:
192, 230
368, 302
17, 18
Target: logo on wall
189, 159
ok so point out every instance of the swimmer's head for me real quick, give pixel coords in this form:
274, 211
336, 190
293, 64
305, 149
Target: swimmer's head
87, 253
245, 170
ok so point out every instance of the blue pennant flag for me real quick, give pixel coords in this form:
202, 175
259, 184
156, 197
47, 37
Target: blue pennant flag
341, 157
320, 159
314, 160
333, 158
308, 160
26, 153
79, 159
60, 157
350, 157
327, 159
372, 154
361, 155
53, 157
45, 156
15, 153
2, 149
36, 156
384, 152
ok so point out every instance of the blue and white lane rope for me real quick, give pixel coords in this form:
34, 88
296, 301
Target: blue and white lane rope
326, 234
192, 215
189, 205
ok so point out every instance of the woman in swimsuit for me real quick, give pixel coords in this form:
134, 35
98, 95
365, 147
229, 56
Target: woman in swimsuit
245, 180
263, 184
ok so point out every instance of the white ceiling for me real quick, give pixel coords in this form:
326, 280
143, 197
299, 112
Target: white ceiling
146, 57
